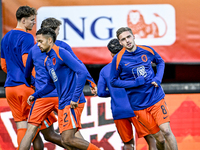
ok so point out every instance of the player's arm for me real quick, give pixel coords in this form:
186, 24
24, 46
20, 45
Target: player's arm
28, 69
28, 43
115, 81
102, 87
3, 65
92, 84
81, 72
24, 59
49, 87
3, 60
160, 66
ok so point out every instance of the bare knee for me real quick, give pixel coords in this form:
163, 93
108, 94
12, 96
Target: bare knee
167, 132
49, 134
159, 137
21, 124
128, 147
161, 141
150, 139
67, 140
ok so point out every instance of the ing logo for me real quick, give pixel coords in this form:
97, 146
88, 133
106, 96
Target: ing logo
152, 24
141, 29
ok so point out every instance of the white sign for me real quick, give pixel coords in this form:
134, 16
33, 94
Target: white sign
94, 26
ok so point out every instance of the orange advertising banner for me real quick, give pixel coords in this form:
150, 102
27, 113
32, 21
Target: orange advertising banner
98, 126
171, 27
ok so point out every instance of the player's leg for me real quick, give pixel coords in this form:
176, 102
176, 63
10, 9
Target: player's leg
147, 120
41, 109
17, 100
79, 135
26, 141
124, 128
143, 132
69, 123
69, 139
21, 130
38, 143
151, 142
160, 140
38, 113
169, 136
129, 145
160, 112
51, 136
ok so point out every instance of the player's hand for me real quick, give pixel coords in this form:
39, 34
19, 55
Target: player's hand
94, 90
30, 99
154, 83
73, 104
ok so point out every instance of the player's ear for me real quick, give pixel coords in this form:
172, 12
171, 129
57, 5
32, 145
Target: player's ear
50, 40
23, 20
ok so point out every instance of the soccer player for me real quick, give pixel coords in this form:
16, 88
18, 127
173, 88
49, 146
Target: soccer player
131, 69
122, 112
15, 46
42, 107
69, 77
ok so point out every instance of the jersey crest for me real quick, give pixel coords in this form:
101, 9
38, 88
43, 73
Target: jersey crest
54, 61
139, 71
144, 58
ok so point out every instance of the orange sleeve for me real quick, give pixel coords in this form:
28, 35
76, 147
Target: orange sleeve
3, 65
92, 83
24, 58
33, 72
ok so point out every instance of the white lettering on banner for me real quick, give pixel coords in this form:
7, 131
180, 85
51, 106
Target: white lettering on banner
6, 116
94, 26
101, 131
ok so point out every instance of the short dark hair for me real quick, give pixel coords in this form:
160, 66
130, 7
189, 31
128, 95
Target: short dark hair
25, 11
123, 29
48, 32
52, 23
114, 46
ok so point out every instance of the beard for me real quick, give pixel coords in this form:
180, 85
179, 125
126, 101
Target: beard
44, 50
